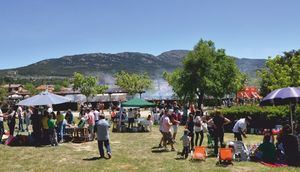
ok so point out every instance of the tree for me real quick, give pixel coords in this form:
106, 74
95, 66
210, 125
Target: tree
30, 88
57, 88
280, 71
87, 85
206, 71
133, 83
65, 83
3, 94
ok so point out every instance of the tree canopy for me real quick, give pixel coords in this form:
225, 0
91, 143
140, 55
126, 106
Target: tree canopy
30, 88
132, 82
87, 85
206, 71
281, 71
3, 94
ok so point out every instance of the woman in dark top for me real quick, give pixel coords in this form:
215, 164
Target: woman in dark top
11, 122
218, 122
290, 146
36, 121
190, 126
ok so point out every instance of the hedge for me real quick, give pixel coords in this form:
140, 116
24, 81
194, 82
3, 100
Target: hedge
262, 117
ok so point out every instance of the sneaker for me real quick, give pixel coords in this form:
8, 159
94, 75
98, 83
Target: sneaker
172, 149
159, 145
109, 155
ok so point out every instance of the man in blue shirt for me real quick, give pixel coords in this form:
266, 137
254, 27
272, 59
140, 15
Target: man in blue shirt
103, 136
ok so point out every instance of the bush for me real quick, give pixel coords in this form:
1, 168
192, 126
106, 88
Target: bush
262, 117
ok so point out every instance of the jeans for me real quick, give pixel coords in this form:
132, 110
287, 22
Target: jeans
1, 130
21, 124
185, 151
11, 127
218, 137
197, 137
191, 134
27, 121
60, 134
52, 136
100, 147
46, 137
238, 136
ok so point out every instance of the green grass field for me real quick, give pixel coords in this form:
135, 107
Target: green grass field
131, 152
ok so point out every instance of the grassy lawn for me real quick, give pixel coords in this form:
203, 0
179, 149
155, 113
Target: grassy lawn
131, 152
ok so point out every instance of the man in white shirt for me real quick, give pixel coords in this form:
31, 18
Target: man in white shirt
131, 115
240, 128
1, 125
50, 109
166, 130
21, 118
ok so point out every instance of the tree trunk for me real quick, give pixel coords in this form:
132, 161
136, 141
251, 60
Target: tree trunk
200, 100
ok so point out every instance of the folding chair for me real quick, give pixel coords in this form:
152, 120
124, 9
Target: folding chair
225, 156
199, 153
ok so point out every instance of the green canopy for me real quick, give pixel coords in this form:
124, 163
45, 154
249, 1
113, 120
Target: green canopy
136, 102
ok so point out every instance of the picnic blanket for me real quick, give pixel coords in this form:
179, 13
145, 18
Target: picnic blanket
273, 164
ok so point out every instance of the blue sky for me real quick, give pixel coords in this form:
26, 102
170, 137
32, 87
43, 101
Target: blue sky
33, 30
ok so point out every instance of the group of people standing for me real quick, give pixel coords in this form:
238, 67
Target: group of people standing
48, 127
98, 128
197, 125
16, 112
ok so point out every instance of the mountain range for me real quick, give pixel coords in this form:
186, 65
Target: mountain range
101, 63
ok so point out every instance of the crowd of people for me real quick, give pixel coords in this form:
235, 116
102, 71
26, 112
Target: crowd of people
286, 150
48, 127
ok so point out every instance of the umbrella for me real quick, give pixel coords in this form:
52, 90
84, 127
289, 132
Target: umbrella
44, 98
283, 96
136, 102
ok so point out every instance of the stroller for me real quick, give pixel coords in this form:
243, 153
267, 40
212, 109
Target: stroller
241, 152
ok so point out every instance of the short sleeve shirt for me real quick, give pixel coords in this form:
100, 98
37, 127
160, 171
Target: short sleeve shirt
240, 125
166, 124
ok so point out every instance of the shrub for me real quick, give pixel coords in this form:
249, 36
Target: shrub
262, 117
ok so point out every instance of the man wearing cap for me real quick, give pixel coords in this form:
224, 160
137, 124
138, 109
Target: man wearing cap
103, 136
240, 128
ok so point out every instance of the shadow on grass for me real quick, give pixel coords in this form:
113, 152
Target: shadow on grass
92, 159
180, 158
159, 150
156, 147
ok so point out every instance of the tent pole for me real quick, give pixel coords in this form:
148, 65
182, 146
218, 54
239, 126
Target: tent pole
291, 112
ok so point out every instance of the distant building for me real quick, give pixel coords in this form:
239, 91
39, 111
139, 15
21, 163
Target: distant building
14, 88
16, 91
249, 92
42, 88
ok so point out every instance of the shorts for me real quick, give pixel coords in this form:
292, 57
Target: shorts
167, 137
130, 120
175, 128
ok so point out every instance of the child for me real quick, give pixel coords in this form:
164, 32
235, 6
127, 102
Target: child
186, 144
149, 123
52, 131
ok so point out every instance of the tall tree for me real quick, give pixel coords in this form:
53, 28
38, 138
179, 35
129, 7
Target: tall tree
206, 71
3, 94
133, 83
87, 85
30, 88
281, 71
